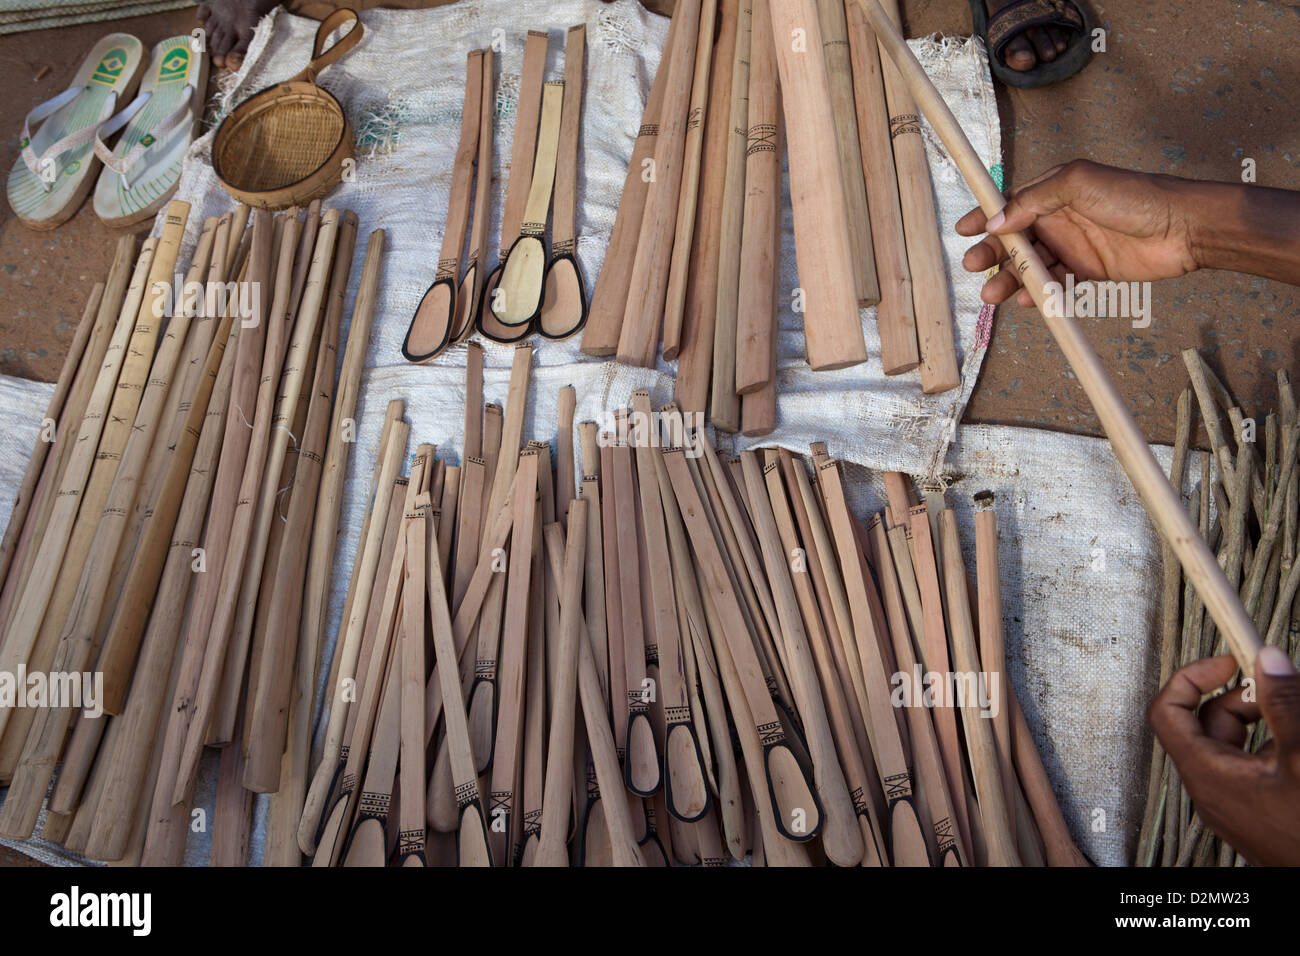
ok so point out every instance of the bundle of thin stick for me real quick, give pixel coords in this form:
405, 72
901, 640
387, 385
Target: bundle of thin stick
205, 444
693, 260
528, 291
686, 604
1246, 510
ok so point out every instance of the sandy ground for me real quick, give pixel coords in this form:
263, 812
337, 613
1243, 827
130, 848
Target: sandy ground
1189, 90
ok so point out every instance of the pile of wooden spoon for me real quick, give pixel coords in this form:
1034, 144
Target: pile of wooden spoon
533, 288
609, 646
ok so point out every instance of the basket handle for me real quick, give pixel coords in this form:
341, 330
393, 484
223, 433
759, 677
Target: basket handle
321, 57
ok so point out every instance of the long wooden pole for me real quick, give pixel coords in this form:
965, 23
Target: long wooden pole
1162, 502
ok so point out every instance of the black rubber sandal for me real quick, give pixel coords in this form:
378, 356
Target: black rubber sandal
1013, 19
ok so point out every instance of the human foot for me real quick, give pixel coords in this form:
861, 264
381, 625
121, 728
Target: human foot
230, 25
1032, 45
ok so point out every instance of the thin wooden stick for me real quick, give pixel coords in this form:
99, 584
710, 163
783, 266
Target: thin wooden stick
839, 73
1161, 501
470, 292
639, 337
895, 315
724, 404
684, 247
695, 359
832, 326
796, 812
100, 441
269, 703
124, 773
995, 812
543, 640
618, 821
907, 830
557, 800
411, 831
508, 680
564, 469
350, 643
609, 299
841, 837
933, 786
433, 326
642, 765
687, 792
44, 440
760, 245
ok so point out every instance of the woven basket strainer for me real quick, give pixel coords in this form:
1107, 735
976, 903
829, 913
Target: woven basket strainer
287, 144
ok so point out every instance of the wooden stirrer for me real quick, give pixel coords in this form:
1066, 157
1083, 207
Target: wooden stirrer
470, 292
564, 304
432, 327
522, 151
518, 298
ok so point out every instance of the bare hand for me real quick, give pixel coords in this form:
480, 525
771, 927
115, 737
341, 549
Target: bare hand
1094, 221
1252, 800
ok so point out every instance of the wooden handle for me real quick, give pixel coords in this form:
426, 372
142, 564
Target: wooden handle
1162, 502
321, 57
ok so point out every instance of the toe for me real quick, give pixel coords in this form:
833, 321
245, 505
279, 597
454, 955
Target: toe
219, 44
1043, 46
1060, 38
1019, 55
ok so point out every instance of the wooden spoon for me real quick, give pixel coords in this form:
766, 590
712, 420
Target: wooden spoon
432, 327
564, 305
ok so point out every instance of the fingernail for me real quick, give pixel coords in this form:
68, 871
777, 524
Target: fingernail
996, 221
1274, 662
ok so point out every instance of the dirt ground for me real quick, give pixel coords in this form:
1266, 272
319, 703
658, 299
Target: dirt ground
1181, 89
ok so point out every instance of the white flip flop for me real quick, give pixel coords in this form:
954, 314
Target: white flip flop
57, 161
143, 169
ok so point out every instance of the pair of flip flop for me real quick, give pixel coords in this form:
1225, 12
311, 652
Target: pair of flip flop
63, 140
998, 30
